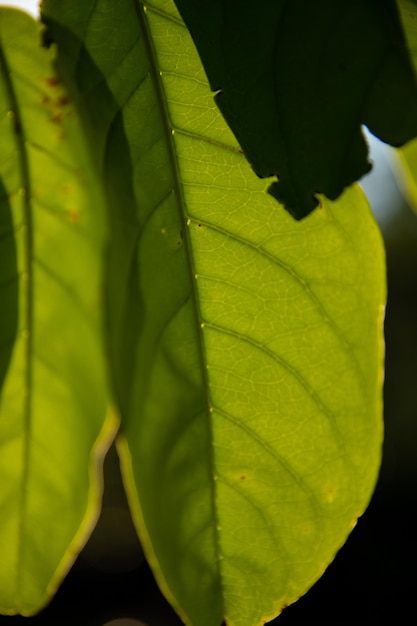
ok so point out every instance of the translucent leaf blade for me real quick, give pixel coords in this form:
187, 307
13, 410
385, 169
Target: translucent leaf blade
53, 431
247, 348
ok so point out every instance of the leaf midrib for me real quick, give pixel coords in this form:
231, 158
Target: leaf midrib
169, 131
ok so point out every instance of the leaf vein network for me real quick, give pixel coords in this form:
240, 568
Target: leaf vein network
290, 369
304, 283
168, 16
283, 462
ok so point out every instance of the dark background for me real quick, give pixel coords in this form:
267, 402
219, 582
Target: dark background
372, 577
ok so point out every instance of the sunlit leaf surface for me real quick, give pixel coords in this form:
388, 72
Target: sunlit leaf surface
53, 401
246, 348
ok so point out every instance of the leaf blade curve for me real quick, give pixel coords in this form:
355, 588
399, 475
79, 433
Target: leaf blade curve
52, 435
236, 414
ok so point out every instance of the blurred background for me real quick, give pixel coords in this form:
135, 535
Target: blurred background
373, 576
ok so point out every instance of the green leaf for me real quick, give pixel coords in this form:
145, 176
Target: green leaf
408, 14
53, 431
246, 348
407, 172
296, 79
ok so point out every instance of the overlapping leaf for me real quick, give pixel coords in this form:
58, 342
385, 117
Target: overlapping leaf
53, 400
296, 79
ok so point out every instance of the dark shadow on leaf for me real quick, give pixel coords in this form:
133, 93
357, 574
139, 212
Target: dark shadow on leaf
298, 80
123, 300
8, 284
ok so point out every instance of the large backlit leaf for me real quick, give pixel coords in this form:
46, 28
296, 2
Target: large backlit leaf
53, 401
298, 78
246, 347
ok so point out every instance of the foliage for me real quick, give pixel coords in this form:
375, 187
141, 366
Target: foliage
147, 278
295, 81
53, 427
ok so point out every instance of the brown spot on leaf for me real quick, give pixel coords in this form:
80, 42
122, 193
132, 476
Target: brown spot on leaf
53, 81
57, 106
73, 217
62, 101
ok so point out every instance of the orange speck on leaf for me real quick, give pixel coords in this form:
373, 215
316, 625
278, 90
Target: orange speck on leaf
53, 81
73, 217
62, 101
